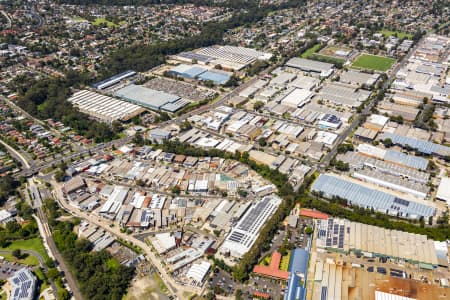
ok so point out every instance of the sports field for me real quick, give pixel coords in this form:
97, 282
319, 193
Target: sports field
373, 62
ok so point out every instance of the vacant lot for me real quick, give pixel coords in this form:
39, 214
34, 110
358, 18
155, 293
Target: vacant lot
373, 62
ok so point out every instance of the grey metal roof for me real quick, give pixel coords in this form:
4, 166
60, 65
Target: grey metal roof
365, 197
309, 65
146, 97
421, 145
406, 160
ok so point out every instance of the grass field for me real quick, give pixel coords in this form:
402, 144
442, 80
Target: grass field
28, 260
3, 295
30, 244
284, 264
101, 21
373, 62
400, 35
310, 51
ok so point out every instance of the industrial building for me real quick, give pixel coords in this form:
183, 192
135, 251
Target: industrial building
422, 146
372, 241
151, 99
246, 231
357, 160
103, 108
23, 285
443, 192
201, 73
359, 78
198, 272
356, 194
396, 157
298, 270
311, 66
113, 80
297, 98
343, 95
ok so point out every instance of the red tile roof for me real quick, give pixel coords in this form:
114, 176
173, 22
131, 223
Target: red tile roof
313, 214
273, 269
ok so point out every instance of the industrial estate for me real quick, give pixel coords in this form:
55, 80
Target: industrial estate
224, 150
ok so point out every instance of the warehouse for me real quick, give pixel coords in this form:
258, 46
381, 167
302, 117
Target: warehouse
297, 98
113, 80
246, 231
187, 71
344, 95
393, 182
422, 146
298, 271
329, 121
358, 161
311, 66
151, 99
198, 272
331, 186
216, 76
304, 82
103, 108
232, 58
346, 236
443, 192
359, 78
396, 157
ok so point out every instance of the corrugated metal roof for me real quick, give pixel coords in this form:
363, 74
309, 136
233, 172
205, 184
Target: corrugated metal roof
365, 197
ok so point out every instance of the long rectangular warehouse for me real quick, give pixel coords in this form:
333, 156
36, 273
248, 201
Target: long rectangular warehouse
356, 194
346, 236
103, 108
151, 98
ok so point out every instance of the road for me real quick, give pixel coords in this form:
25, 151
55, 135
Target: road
343, 136
8, 19
104, 224
46, 234
16, 154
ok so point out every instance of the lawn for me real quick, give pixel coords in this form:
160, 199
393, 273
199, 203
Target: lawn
101, 21
29, 260
400, 35
265, 261
3, 295
310, 51
30, 244
284, 264
373, 62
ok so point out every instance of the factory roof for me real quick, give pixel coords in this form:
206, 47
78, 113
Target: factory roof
309, 65
198, 271
421, 145
443, 192
146, 97
366, 197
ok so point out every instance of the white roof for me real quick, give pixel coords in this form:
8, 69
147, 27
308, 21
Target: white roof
378, 119
163, 242
325, 137
385, 296
371, 150
198, 271
297, 98
443, 192
4, 214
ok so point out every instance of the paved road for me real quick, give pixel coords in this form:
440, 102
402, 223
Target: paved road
16, 154
104, 224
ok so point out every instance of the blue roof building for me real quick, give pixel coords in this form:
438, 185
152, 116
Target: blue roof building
298, 269
215, 76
